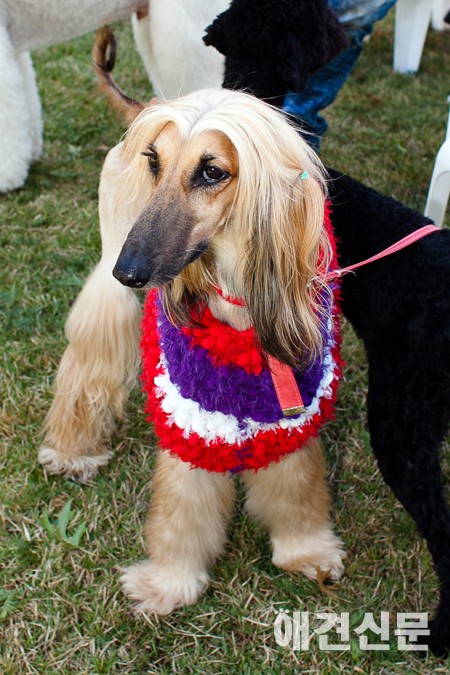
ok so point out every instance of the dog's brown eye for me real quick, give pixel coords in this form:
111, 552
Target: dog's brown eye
152, 160
212, 174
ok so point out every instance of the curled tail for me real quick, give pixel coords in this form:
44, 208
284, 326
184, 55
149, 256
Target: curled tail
103, 65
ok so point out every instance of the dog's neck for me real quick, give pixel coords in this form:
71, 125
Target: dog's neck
225, 256
237, 317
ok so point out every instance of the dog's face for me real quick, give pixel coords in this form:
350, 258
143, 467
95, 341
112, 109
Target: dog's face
192, 186
223, 173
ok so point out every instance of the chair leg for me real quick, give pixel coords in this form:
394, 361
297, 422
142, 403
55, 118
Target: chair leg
439, 10
412, 18
439, 190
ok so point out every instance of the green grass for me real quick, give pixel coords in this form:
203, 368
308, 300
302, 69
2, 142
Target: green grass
61, 608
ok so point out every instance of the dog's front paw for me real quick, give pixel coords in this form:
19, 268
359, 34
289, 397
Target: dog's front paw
156, 588
82, 468
306, 553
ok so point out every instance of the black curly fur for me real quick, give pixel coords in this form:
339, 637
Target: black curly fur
400, 308
275, 45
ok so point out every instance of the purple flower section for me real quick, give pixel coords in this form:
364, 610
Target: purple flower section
227, 389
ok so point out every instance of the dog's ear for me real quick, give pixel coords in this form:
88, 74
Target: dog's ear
272, 46
286, 249
104, 57
216, 34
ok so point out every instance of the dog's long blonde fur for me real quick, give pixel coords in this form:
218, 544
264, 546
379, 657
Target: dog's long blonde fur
264, 225
101, 363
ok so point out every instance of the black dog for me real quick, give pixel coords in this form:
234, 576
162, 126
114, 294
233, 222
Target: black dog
400, 308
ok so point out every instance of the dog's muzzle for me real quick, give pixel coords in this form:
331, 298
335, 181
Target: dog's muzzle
158, 246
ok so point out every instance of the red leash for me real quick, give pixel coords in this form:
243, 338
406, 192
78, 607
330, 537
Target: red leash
282, 376
406, 241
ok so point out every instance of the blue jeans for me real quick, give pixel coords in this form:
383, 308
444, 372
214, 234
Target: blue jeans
357, 18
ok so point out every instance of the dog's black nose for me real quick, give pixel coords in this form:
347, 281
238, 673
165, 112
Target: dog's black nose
131, 272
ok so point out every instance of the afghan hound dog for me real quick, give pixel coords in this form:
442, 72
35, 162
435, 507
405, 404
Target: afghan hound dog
205, 193
216, 206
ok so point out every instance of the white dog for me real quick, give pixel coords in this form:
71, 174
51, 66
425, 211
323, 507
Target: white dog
168, 35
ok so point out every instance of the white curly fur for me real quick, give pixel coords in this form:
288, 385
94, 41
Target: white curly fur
168, 39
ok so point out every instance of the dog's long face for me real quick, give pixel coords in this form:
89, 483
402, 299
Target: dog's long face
233, 196
191, 184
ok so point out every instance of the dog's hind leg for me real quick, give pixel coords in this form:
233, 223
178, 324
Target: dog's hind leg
169, 40
101, 363
291, 500
185, 532
409, 412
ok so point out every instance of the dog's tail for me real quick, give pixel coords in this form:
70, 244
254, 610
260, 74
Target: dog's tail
103, 65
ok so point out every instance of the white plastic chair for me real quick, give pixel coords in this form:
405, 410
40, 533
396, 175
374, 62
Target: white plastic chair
412, 18
440, 182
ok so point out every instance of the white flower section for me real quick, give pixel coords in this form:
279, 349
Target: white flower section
215, 426
189, 416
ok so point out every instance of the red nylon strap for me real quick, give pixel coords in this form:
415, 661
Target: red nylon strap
286, 387
406, 241
283, 378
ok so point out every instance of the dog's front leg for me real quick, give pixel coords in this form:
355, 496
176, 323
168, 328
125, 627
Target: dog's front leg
101, 363
185, 532
16, 137
34, 103
291, 500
